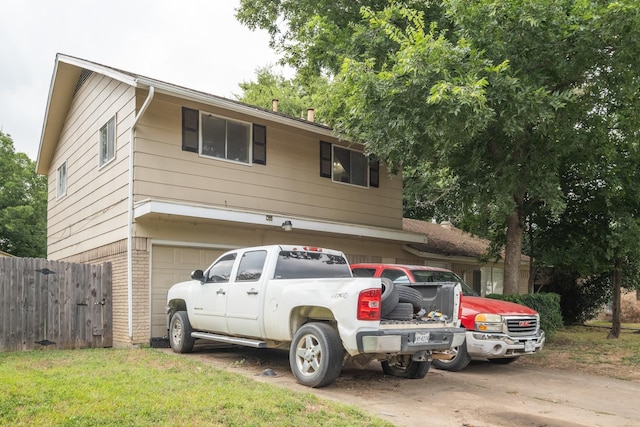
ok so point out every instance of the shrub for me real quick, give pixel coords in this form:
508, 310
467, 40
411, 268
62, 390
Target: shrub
546, 304
580, 299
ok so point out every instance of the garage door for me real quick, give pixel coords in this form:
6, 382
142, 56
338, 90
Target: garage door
172, 264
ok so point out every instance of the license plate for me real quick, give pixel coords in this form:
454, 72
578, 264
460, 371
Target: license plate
529, 346
421, 338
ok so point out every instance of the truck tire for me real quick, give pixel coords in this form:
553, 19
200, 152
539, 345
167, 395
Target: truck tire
410, 295
389, 298
180, 330
504, 360
461, 360
404, 367
402, 311
315, 355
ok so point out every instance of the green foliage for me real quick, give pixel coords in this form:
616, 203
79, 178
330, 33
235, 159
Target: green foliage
111, 387
23, 204
498, 112
546, 304
581, 300
295, 96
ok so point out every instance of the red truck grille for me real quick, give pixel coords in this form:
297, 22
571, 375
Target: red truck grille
522, 324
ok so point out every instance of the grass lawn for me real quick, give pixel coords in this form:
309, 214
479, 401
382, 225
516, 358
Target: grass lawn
587, 349
121, 387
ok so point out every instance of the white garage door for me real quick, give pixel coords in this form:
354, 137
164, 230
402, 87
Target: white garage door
172, 264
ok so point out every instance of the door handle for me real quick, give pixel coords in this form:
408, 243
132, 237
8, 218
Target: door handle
252, 291
220, 292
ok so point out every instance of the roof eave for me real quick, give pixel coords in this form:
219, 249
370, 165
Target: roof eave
65, 76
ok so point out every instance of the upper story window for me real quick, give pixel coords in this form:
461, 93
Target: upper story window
108, 141
61, 179
348, 166
223, 138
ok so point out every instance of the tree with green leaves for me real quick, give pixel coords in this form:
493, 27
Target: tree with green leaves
23, 203
294, 96
491, 92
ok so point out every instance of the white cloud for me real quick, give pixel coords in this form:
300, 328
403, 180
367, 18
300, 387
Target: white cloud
193, 43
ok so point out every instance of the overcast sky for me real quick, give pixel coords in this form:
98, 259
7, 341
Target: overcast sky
193, 43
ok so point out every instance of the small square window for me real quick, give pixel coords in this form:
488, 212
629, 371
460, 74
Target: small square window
61, 180
108, 141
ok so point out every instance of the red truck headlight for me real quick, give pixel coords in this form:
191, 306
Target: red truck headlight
369, 304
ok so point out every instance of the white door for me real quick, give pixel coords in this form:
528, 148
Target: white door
245, 299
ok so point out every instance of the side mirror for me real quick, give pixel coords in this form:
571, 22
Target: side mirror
197, 275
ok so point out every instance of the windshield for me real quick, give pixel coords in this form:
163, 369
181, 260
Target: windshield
442, 276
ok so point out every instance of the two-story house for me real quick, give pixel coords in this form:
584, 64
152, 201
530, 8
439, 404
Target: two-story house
160, 179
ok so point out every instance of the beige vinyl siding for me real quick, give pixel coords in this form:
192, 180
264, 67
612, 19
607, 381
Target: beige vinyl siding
289, 184
93, 213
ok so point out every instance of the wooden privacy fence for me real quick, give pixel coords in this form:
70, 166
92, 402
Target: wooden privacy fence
53, 304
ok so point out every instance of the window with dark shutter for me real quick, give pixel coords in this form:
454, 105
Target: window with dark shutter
260, 144
325, 159
190, 132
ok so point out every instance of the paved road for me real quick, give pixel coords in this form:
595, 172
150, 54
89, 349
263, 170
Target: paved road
483, 395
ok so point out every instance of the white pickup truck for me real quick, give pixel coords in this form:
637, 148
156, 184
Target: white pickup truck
307, 300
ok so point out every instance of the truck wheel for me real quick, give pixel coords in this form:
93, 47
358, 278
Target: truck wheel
402, 311
410, 295
180, 330
315, 355
460, 360
504, 360
389, 298
404, 367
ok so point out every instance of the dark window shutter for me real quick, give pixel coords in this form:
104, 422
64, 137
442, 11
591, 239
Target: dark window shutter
374, 172
325, 159
190, 131
260, 144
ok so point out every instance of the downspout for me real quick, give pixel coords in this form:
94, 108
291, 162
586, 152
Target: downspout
130, 218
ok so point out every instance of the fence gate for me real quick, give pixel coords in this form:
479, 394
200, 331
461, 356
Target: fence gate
53, 304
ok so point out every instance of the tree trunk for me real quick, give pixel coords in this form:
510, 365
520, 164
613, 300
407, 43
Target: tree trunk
616, 320
532, 268
513, 250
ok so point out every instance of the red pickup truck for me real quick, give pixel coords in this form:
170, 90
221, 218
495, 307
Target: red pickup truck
498, 331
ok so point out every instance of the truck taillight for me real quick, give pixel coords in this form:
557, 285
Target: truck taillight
369, 304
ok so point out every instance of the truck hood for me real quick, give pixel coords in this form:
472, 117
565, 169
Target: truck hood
474, 305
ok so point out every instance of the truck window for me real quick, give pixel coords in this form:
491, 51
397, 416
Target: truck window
308, 265
443, 276
435, 276
251, 265
364, 272
396, 276
221, 270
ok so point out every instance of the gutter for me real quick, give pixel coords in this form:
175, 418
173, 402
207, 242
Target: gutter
130, 211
